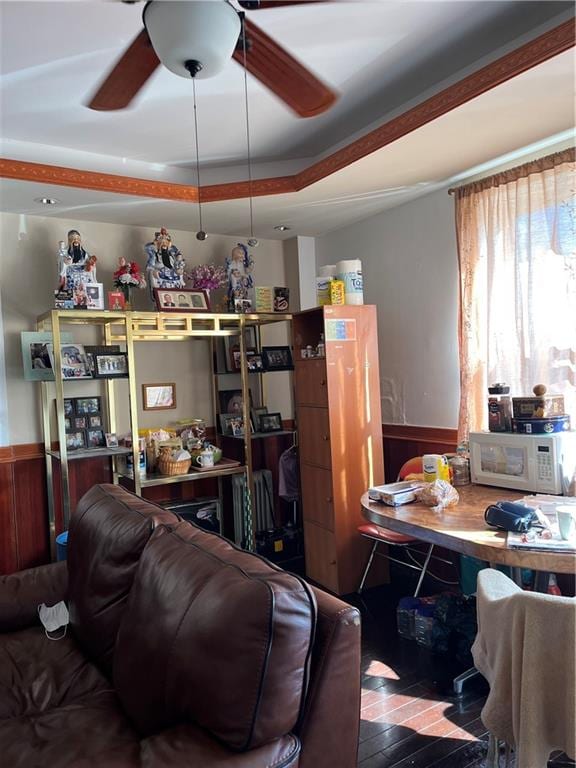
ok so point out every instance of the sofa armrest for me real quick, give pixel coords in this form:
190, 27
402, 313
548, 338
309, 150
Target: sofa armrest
331, 718
21, 593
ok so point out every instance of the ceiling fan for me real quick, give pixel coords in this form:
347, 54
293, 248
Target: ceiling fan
196, 39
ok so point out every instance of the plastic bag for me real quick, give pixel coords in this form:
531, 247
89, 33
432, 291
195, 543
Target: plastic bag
438, 495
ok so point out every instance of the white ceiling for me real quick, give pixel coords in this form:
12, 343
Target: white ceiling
381, 57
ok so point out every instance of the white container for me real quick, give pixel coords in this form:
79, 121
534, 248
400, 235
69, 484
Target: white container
328, 270
323, 290
350, 272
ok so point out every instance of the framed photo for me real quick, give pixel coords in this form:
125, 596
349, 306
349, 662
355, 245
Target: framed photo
242, 306
158, 397
75, 363
94, 295
111, 439
35, 356
95, 420
80, 422
116, 300
254, 361
67, 423
95, 438
76, 440
232, 345
277, 359
181, 300
264, 298
230, 424
86, 405
281, 299
101, 349
231, 401
256, 414
110, 365
271, 422
68, 406
250, 353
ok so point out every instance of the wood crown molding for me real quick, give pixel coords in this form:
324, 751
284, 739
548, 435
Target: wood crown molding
537, 51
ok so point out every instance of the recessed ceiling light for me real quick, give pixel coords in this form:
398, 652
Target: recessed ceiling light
282, 228
46, 200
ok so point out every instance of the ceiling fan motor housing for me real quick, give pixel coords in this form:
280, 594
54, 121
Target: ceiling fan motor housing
205, 31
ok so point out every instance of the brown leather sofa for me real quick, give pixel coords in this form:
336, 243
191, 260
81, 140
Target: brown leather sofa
182, 651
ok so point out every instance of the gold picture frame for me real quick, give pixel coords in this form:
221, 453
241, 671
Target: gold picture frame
158, 397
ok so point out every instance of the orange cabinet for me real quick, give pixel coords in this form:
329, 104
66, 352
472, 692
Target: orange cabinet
340, 435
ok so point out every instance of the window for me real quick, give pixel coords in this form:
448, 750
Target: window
516, 242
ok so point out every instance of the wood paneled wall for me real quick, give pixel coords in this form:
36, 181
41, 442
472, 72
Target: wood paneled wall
402, 442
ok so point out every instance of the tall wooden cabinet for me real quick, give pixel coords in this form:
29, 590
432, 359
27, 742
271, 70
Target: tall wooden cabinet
340, 434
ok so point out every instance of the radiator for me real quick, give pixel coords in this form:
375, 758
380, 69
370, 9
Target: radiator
262, 503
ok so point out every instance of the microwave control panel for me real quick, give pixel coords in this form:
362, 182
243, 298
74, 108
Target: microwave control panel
545, 465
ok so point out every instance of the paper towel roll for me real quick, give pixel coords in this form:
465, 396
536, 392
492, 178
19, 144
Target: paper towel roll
328, 270
350, 271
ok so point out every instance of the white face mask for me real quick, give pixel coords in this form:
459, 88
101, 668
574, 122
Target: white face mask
53, 617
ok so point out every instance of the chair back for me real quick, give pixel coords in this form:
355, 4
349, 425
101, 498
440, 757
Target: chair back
412, 466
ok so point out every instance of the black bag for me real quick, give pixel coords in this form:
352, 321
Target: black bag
510, 516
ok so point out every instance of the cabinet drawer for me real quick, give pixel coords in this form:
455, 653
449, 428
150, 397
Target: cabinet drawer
317, 501
320, 551
314, 436
310, 382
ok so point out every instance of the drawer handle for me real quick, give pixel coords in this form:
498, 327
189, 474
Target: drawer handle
325, 437
322, 382
329, 499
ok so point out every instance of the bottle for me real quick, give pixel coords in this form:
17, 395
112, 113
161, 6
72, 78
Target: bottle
553, 588
460, 465
321, 348
499, 408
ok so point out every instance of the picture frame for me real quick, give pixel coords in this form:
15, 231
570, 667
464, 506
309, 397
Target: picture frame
231, 424
95, 438
255, 414
158, 397
277, 359
181, 300
100, 349
116, 301
281, 299
271, 422
80, 422
95, 420
250, 353
242, 306
75, 363
67, 424
254, 362
231, 401
232, 344
68, 406
86, 405
76, 440
111, 439
110, 365
94, 295
36, 360
264, 295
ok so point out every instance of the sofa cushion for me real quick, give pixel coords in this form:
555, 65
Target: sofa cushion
55, 706
107, 534
214, 636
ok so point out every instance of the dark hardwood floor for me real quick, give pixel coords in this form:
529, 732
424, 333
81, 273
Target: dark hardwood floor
409, 715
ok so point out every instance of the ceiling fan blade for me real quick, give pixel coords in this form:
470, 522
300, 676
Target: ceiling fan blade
257, 5
129, 74
282, 74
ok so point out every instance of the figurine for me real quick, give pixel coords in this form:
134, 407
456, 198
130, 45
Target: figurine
165, 265
239, 266
75, 264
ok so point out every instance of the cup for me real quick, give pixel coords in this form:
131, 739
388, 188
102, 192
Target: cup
566, 520
205, 459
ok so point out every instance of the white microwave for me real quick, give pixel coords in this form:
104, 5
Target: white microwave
536, 463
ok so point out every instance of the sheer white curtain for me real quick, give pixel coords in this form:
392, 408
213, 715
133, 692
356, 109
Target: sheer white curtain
517, 254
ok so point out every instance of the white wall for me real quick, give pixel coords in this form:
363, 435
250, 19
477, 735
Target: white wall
410, 271
28, 277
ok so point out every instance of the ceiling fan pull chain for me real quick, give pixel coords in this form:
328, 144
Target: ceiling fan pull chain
194, 67
252, 241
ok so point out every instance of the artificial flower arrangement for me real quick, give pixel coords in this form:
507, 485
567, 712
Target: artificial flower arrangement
207, 277
128, 276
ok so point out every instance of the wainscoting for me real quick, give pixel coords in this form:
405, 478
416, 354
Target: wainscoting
24, 540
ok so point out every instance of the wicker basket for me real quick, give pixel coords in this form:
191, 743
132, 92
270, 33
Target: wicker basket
167, 465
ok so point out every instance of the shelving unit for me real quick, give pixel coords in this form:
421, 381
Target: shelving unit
128, 329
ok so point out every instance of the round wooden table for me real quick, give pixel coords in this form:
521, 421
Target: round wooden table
462, 529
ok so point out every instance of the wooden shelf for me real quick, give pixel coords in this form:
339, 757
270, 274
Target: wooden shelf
147, 481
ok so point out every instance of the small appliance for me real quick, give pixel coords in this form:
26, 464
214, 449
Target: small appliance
536, 463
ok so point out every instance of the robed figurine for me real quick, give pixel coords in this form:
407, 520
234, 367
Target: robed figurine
165, 265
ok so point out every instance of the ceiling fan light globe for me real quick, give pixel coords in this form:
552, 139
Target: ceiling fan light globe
206, 31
